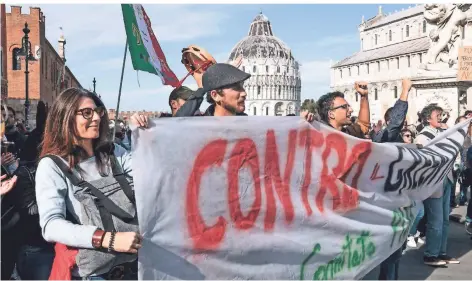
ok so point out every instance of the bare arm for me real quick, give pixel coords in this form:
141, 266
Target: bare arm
364, 112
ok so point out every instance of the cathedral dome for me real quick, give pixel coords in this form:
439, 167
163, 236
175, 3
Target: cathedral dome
274, 86
261, 42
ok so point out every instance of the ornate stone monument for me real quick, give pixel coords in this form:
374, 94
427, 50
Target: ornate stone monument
436, 79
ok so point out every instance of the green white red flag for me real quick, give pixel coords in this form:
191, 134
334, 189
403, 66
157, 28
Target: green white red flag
146, 53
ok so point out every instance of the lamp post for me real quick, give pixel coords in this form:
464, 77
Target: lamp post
94, 84
26, 52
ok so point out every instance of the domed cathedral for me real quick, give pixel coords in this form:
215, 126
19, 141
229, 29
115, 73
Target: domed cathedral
274, 87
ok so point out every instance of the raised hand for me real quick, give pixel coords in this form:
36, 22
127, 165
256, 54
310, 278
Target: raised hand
406, 85
361, 88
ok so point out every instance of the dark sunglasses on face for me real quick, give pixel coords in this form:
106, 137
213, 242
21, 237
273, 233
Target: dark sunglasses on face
408, 136
345, 106
87, 113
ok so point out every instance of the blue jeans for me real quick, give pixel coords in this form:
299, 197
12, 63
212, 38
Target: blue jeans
35, 263
389, 267
437, 228
418, 218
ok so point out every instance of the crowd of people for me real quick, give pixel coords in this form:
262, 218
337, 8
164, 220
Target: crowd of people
68, 207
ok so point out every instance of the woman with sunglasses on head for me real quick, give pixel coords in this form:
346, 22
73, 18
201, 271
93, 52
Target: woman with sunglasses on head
84, 191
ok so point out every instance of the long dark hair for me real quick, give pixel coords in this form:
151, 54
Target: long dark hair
60, 133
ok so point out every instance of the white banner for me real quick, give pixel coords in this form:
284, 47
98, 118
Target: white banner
275, 197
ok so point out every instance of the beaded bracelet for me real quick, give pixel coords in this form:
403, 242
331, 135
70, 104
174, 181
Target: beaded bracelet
112, 242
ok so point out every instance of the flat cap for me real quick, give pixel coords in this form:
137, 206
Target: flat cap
221, 75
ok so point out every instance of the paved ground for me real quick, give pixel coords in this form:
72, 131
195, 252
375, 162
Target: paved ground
459, 246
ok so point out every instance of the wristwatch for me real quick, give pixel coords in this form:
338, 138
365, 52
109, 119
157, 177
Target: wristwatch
97, 238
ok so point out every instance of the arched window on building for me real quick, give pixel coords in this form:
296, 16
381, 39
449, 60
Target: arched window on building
398, 63
376, 94
267, 111
376, 39
358, 70
378, 66
409, 60
390, 35
254, 68
421, 58
362, 44
267, 68
424, 26
407, 29
278, 69
258, 90
254, 111
16, 59
280, 90
395, 92
368, 68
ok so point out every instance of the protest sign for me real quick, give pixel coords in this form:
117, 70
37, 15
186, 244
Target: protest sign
464, 72
276, 198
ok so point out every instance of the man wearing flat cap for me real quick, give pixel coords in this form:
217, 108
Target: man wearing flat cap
223, 84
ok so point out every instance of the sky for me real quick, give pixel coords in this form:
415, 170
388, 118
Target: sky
318, 35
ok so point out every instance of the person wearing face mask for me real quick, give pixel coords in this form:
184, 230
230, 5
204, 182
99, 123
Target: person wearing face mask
84, 192
336, 112
437, 206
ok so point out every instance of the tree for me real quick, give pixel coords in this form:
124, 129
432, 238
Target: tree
310, 105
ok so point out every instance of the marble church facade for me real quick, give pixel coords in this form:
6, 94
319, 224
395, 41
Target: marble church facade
393, 47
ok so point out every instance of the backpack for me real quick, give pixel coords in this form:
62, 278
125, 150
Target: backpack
99, 199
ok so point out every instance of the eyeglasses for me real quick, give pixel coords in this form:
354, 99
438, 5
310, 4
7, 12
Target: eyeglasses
345, 106
87, 113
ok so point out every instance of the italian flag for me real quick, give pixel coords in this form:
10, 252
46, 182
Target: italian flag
146, 53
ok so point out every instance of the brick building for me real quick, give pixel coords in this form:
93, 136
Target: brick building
48, 74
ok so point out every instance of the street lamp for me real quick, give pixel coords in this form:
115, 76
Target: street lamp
94, 83
26, 52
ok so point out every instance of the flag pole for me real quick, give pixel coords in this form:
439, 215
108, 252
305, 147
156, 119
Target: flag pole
119, 91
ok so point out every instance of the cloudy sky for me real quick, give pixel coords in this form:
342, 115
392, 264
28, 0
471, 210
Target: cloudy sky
317, 34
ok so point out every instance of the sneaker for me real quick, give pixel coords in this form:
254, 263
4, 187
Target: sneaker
468, 227
420, 240
433, 261
448, 259
411, 243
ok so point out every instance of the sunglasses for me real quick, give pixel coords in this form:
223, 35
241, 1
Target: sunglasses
408, 136
345, 106
87, 113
